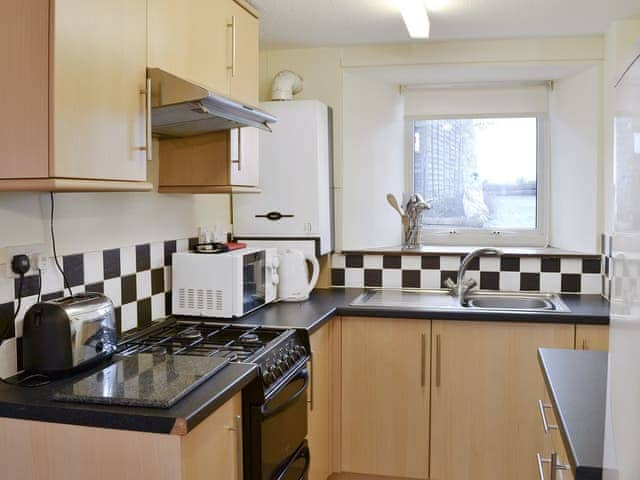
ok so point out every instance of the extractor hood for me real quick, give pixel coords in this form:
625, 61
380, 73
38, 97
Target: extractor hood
181, 108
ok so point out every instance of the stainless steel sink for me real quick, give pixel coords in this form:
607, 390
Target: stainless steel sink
441, 300
516, 301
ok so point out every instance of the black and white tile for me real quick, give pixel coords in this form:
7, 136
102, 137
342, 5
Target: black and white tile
431, 271
136, 278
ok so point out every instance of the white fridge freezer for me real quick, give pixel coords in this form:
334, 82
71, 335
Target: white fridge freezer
296, 178
622, 430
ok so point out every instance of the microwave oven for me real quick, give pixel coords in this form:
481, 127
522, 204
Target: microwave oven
229, 284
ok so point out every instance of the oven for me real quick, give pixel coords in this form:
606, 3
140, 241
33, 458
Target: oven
275, 428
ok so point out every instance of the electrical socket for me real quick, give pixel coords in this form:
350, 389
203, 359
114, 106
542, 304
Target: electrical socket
35, 252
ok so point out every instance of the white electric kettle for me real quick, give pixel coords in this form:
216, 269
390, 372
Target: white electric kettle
295, 285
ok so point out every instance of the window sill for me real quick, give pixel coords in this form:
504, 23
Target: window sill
463, 250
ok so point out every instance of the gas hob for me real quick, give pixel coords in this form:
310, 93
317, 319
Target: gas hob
276, 351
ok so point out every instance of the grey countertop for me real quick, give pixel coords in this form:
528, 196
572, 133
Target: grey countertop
37, 403
577, 383
325, 303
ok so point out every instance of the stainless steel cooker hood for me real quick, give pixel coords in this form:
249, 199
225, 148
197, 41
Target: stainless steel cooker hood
181, 108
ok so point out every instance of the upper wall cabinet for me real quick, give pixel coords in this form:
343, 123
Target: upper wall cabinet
73, 95
244, 55
213, 43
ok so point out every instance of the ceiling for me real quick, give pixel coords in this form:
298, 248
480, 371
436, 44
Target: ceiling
312, 23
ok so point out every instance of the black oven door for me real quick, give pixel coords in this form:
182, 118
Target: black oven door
297, 467
282, 426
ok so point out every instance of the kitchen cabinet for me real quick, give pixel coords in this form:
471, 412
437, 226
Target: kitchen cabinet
485, 384
214, 44
218, 162
74, 118
35, 450
592, 337
320, 402
245, 31
215, 445
191, 39
553, 444
385, 397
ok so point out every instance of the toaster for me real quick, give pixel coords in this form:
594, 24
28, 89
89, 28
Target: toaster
67, 334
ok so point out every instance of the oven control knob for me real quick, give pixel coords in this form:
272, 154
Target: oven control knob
281, 367
301, 350
289, 361
267, 378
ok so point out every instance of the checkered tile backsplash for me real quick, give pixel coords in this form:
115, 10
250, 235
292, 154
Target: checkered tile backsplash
509, 272
137, 279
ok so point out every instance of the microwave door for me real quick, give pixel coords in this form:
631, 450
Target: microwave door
253, 281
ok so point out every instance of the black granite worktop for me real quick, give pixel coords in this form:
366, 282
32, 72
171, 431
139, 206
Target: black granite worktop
577, 383
37, 403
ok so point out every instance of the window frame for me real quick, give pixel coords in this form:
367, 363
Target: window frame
483, 237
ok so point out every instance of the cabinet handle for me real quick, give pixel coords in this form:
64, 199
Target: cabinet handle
438, 360
232, 26
540, 461
148, 147
311, 387
545, 424
555, 466
423, 359
237, 428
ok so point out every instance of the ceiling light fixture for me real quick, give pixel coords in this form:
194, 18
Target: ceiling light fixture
416, 18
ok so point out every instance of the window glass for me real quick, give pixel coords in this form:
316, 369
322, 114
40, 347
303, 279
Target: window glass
480, 173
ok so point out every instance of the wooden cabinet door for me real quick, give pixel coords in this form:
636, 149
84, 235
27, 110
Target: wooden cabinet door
24, 89
214, 448
385, 397
190, 38
320, 403
592, 337
244, 156
99, 72
486, 382
244, 77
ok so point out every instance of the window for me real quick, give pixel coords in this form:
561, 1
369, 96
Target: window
483, 177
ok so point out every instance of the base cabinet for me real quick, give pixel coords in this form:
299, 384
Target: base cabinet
385, 397
485, 382
37, 450
320, 403
592, 337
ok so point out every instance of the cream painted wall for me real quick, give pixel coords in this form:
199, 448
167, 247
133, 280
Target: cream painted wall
323, 69
575, 125
95, 221
621, 42
373, 152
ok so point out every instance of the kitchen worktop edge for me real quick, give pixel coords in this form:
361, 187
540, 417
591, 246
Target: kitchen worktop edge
577, 383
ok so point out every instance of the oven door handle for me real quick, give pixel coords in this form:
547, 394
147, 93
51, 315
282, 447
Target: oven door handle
270, 412
304, 453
